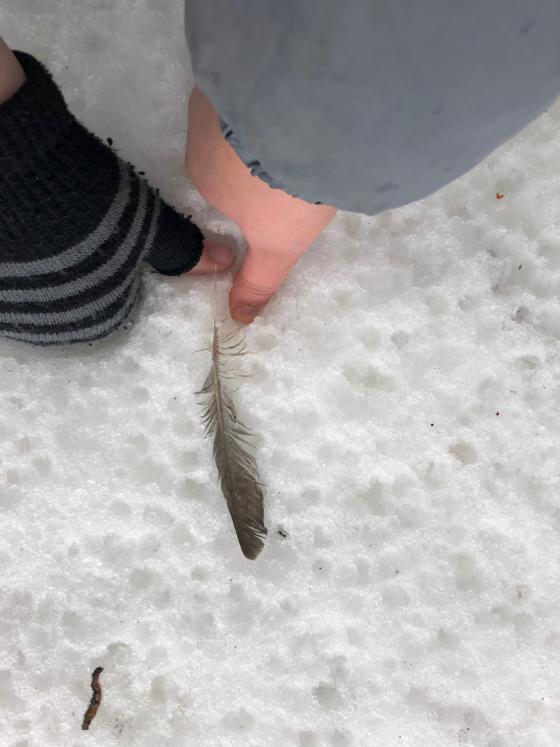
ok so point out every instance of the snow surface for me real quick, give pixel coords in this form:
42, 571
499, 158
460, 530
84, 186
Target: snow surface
405, 389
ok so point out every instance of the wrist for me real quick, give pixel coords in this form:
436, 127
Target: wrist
12, 76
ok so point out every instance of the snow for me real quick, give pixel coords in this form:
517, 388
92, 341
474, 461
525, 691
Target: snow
405, 391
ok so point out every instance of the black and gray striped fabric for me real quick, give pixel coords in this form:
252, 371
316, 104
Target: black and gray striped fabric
76, 222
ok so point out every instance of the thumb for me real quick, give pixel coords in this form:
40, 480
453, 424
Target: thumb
259, 277
177, 244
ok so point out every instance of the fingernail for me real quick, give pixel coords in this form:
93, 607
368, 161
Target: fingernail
247, 311
221, 255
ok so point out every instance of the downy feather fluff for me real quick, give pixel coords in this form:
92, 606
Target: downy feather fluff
236, 464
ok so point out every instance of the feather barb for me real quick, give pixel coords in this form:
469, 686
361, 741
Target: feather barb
237, 467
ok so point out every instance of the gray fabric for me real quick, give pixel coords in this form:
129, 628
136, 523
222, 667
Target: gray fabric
371, 104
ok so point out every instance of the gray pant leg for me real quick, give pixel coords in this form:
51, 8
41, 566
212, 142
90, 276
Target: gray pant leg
372, 104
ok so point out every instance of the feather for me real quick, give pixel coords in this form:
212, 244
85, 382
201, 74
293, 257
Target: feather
236, 464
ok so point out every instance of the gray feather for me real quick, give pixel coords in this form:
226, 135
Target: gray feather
236, 464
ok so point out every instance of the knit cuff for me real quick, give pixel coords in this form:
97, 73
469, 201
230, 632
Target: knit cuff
179, 242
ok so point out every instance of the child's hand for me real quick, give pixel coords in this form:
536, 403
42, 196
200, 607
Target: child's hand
278, 228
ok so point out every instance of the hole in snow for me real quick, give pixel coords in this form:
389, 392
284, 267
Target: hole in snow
464, 452
328, 696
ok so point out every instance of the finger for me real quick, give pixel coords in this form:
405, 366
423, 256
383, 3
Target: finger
214, 257
258, 278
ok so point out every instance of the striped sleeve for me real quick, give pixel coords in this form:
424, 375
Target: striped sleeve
76, 222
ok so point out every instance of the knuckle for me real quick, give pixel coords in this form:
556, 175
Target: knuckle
255, 289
